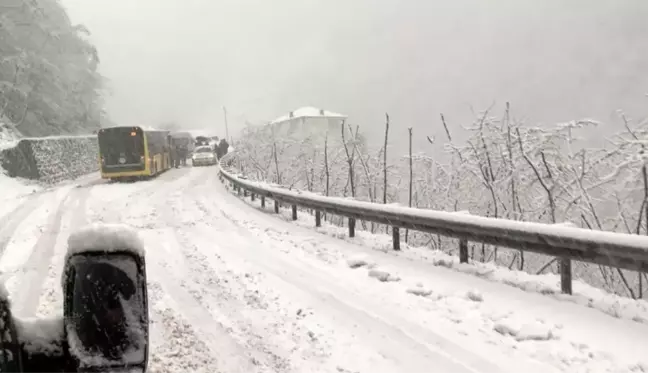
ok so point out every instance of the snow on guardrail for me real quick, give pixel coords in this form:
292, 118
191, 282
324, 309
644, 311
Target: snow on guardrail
624, 251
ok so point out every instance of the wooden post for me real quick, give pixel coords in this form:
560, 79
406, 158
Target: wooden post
318, 218
565, 275
351, 227
396, 238
245, 192
262, 202
238, 190
294, 212
276, 206
463, 251
252, 196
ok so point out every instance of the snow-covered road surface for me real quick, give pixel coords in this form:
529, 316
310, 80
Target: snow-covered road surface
234, 289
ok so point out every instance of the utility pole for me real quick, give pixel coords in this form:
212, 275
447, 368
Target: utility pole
226, 129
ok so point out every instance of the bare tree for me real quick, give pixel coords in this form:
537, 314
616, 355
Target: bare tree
350, 156
409, 130
385, 159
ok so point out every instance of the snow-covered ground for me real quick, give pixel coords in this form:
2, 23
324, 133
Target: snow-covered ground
236, 289
13, 192
546, 284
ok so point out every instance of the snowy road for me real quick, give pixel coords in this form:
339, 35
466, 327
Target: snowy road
233, 289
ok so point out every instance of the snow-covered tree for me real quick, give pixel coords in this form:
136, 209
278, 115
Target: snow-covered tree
49, 82
503, 168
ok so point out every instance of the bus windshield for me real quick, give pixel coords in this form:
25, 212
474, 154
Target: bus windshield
121, 147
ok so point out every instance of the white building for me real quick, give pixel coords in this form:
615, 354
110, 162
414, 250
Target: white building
307, 121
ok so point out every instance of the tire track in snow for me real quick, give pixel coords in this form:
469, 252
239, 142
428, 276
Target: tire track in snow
288, 328
190, 291
51, 298
410, 344
261, 320
399, 350
10, 222
33, 278
131, 197
228, 354
176, 346
80, 214
230, 300
174, 337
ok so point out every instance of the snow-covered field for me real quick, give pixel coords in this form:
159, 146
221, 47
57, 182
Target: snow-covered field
235, 289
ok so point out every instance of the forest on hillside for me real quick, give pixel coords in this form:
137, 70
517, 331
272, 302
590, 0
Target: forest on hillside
49, 82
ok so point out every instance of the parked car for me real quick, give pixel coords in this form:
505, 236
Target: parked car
204, 156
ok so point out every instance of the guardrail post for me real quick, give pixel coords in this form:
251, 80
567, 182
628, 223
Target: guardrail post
262, 202
463, 251
245, 192
396, 238
565, 276
238, 190
294, 212
252, 196
276, 206
318, 218
351, 227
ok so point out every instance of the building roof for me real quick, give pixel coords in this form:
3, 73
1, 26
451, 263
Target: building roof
308, 112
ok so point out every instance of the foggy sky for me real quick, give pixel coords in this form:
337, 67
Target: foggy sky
554, 60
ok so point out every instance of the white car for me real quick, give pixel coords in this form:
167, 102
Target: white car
204, 156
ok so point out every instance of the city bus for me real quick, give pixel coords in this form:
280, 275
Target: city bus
133, 152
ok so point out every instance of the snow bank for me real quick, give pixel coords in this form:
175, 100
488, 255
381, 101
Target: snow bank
358, 262
547, 284
524, 331
383, 276
13, 188
105, 238
420, 290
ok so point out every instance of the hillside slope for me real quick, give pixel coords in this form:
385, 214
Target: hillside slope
49, 83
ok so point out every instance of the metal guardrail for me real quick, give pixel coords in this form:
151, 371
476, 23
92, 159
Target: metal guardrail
617, 250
